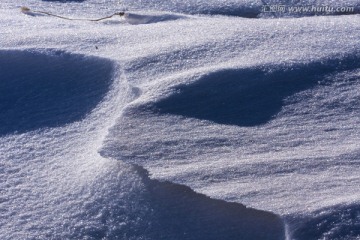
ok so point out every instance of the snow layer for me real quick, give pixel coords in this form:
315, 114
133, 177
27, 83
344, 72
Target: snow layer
261, 112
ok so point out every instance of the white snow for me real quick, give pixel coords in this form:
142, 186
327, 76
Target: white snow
168, 110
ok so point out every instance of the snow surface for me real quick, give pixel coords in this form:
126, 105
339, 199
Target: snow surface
223, 111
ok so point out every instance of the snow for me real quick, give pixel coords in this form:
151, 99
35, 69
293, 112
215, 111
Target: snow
223, 111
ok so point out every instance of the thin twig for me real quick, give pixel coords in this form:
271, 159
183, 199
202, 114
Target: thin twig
28, 10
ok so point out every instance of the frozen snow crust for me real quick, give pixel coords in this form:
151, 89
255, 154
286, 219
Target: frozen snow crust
222, 112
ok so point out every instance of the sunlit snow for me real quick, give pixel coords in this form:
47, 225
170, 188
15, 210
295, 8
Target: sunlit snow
179, 120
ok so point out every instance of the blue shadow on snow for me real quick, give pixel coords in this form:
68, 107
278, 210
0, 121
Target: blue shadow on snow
39, 90
337, 222
182, 214
245, 97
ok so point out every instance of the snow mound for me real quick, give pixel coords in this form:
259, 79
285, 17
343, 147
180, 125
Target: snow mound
250, 97
53, 182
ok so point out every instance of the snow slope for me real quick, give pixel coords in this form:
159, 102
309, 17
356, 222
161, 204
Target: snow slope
224, 112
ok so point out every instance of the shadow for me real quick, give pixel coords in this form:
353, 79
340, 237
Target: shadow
135, 207
231, 11
245, 97
39, 90
136, 19
180, 213
338, 222
195, 7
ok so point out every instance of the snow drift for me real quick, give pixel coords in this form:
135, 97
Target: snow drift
223, 112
